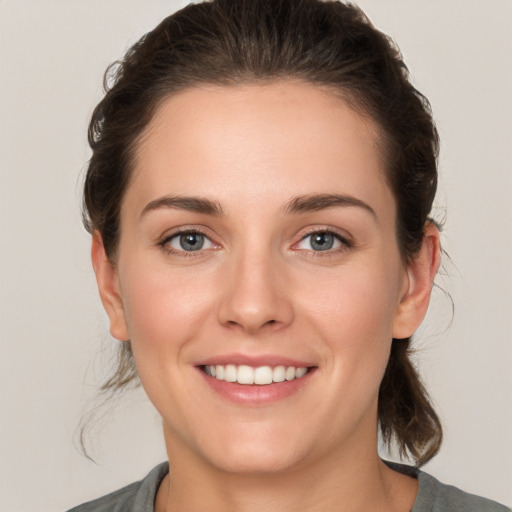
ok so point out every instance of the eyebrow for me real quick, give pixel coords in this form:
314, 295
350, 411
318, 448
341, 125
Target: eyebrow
300, 204
191, 204
317, 202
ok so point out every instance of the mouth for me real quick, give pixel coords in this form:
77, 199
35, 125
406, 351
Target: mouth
256, 381
259, 376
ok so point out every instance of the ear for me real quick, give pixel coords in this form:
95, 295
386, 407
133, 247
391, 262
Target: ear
421, 272
108, 285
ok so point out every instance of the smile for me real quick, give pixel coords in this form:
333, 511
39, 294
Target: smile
262, 375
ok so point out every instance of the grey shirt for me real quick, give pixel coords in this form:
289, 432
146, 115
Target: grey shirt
433, 496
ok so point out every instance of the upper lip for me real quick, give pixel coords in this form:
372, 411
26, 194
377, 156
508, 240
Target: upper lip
254, 360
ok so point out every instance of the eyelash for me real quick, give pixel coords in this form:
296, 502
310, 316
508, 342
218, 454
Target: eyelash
164, 244
345, 243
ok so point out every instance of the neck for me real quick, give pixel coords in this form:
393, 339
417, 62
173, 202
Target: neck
357, 481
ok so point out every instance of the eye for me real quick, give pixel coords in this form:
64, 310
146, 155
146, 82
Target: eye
187, 241
319, 241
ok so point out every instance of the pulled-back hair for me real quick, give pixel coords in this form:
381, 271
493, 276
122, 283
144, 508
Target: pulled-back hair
325, 43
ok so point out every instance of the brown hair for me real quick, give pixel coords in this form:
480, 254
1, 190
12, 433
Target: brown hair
326, 43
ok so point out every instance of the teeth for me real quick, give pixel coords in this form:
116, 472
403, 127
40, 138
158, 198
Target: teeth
300, 372
245, 375
230, 373
279, 374
290, 373
261, 375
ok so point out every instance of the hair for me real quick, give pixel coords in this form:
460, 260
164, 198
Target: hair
324, 43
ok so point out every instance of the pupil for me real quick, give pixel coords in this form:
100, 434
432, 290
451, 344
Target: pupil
322, 241
191, 241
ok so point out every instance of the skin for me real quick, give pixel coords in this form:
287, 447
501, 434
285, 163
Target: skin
258, 287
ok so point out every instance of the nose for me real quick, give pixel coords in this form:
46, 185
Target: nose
254, 296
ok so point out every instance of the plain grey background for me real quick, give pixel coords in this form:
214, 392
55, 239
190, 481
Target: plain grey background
53, 333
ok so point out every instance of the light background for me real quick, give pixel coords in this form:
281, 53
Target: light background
53, 332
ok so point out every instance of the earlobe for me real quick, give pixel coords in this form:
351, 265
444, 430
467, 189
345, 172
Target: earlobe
108, 286
420, 278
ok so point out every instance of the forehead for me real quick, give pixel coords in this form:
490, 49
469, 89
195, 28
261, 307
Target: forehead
258, 138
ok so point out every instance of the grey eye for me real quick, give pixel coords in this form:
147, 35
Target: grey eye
322, 241
189, 242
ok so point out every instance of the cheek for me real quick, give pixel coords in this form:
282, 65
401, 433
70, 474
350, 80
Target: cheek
165, 313
361, 301
163, 309
353, 315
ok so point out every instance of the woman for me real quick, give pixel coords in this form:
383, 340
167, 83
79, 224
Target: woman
259, 196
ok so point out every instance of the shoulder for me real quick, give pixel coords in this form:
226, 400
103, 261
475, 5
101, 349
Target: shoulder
136, 497
435, 496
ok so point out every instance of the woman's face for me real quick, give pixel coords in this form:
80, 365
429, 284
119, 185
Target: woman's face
258, 235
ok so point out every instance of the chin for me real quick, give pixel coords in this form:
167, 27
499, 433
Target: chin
256, 460
252, 449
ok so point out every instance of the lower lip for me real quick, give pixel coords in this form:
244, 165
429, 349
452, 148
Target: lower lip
247, 394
